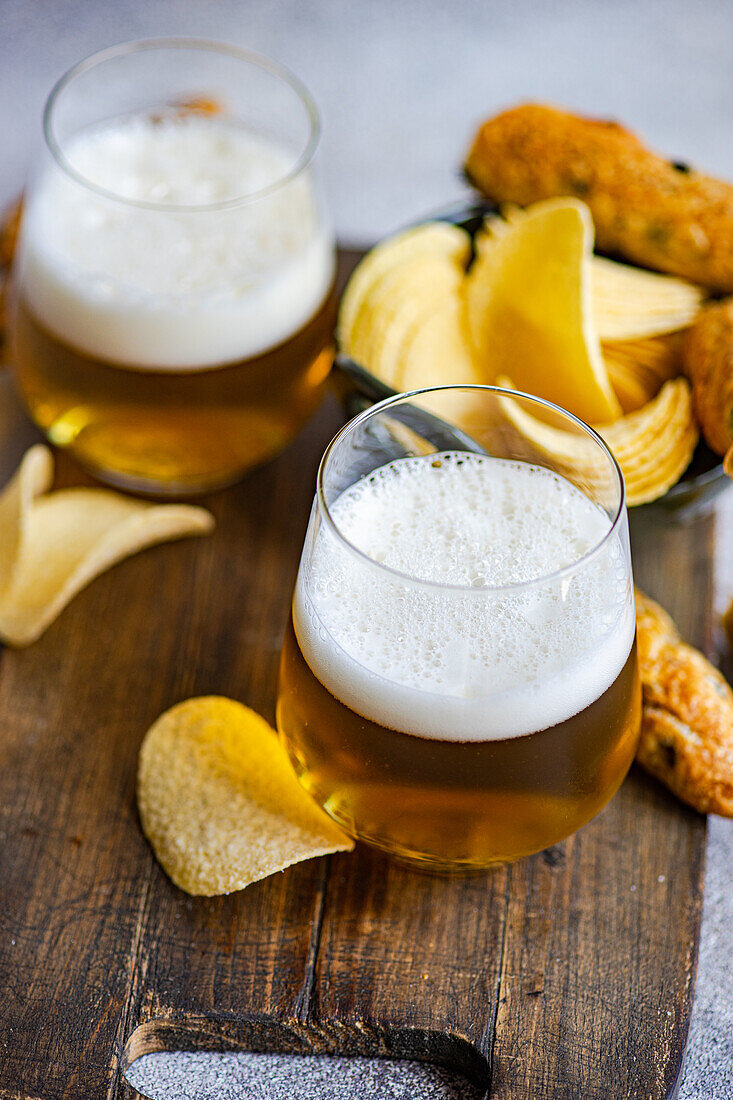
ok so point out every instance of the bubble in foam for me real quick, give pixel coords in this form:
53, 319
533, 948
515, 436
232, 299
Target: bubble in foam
460, 657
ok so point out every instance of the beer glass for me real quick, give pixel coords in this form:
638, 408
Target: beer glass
173, 298
459, 683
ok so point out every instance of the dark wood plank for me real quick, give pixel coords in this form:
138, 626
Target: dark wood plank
554, 974
85, 908
600, 949
409, 963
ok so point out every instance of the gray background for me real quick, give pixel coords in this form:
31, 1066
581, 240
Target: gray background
401, 85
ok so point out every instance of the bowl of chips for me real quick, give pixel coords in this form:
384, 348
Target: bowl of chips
518, 298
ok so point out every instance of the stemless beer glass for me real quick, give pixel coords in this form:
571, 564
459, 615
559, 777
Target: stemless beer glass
173, 298
459, 683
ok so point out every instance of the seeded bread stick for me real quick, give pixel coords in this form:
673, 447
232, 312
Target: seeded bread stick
660, 214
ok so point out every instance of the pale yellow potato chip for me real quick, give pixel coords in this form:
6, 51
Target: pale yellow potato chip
438, 352
219, 801
399, 301
629, 303
433, 239
653, 446
33, 477
643, 489
529, 309
53, 544
639, 368
655, 359
670, 409
629, 385
393, 329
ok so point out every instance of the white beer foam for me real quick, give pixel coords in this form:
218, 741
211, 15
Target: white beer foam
456, 664
169, 289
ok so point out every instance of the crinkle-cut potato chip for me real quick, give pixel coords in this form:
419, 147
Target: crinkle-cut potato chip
437, 240
657, 357
630, 386
629, 303
529, 309
53, 544
219, 801
653, 446
639, 368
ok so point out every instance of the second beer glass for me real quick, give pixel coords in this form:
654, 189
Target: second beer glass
459, 681
173, 297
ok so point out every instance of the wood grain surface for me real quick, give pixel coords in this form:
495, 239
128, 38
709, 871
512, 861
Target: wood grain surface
568, 975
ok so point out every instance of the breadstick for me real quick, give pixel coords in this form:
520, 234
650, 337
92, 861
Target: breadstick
661, 214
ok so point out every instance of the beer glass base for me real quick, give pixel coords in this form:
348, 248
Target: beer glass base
148, 487
441, 868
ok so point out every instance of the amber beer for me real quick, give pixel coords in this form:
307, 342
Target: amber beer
173, 302
171, 430
447, 719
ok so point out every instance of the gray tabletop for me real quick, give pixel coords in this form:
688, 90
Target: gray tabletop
401, 85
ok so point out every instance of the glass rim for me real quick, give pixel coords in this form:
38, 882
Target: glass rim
205, 45
514, 586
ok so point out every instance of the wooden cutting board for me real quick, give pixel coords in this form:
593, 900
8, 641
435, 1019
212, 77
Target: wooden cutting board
568, 975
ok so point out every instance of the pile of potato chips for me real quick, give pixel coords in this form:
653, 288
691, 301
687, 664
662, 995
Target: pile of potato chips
526, 305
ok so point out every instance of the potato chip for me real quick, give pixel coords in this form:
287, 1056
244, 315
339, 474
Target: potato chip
33, 477
630, 386
53, 544
629, 303
399, 302
528, 308
438, 352
639, 368
433, 239
528, 305
653, 446
393, 329
219, 801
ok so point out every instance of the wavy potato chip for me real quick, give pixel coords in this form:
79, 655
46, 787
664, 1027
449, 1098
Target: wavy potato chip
219, 801
528, 306
659, 357
629, 303
53, 544
639, 368
653, 446
532, 306
630, 386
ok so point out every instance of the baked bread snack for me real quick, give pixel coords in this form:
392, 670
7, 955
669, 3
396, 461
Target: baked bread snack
708, 362
687, 715
654, 212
